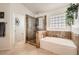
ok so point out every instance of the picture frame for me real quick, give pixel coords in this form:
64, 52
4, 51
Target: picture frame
1, 14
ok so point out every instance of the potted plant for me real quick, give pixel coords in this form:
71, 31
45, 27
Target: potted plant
71, 14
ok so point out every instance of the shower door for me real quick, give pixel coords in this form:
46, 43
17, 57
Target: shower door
31, 30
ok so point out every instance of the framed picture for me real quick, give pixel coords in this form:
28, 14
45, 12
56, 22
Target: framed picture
1, 14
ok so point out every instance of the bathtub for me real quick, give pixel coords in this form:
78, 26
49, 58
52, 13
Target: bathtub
58, 45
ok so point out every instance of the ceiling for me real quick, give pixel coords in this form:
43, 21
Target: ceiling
44, 7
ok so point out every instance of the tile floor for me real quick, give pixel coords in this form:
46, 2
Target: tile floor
26, 49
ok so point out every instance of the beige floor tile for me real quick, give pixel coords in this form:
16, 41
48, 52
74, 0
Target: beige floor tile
25, 49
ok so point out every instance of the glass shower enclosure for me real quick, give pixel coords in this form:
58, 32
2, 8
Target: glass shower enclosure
32, 26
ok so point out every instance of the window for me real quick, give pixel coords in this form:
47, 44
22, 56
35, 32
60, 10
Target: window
57, 22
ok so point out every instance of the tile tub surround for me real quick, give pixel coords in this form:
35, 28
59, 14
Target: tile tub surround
39, 35
60, 34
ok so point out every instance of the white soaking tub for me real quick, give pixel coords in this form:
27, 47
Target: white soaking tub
58, 45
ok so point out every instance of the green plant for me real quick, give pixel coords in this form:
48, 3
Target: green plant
71, 13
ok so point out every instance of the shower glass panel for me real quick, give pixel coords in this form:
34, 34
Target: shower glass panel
41, 23
31, 30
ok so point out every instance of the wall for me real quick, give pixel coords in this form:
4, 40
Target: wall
20, 28
5, 41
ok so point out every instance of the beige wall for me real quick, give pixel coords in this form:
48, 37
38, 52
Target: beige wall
5, 41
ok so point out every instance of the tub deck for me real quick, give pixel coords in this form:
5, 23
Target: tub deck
58, 45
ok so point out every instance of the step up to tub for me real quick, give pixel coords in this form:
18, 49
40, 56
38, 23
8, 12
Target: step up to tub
58, 45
